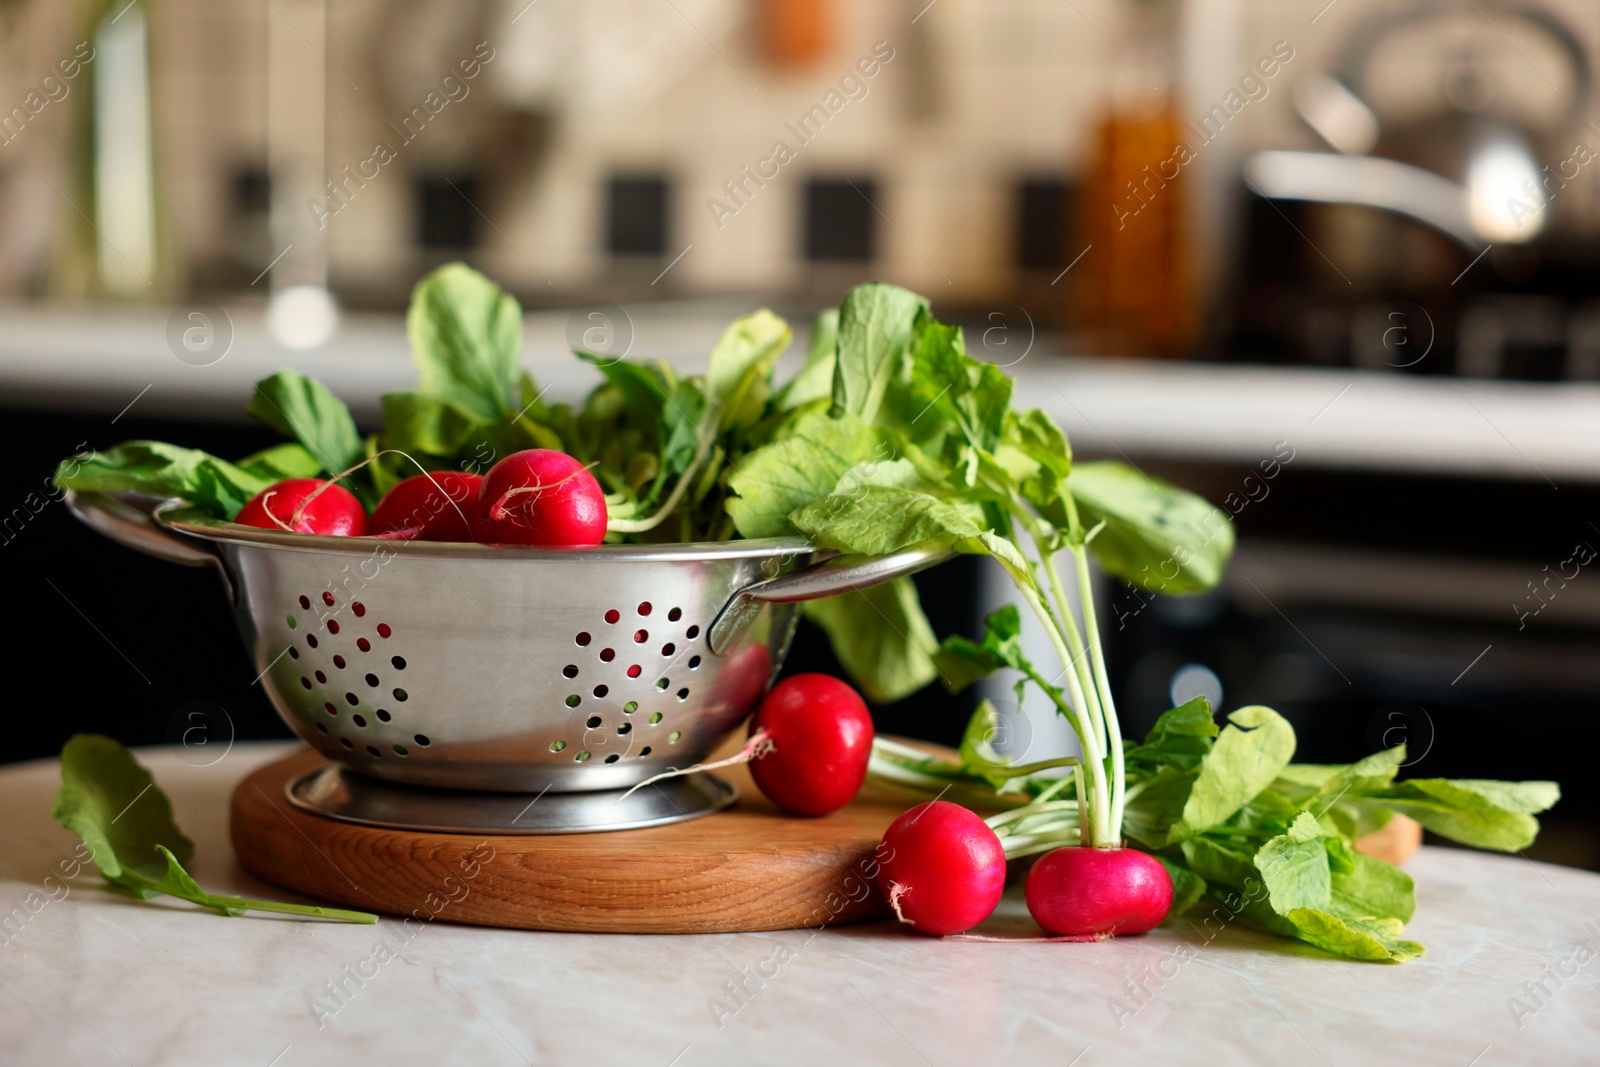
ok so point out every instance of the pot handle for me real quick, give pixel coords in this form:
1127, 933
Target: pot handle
134, 527
825, 578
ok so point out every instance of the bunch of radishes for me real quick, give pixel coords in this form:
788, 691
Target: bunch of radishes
941, 867
535, 497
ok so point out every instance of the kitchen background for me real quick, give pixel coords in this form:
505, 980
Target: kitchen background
1329, 263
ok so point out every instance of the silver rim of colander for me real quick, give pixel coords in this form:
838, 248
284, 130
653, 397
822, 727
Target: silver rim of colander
182, 518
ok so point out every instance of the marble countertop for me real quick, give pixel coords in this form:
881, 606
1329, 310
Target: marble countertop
89, 977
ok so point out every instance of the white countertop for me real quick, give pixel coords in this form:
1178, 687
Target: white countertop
95, 978
99, 359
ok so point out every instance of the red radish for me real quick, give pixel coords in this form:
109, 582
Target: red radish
540, 497
810, 740
1077, 891
941, 867
306, 505
429, 507
820, 734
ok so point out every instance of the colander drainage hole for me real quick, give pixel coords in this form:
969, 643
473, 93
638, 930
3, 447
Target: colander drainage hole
294, 653
583, 640
333, 626
363, 644
400, 694
662, 684
607, 655
668, 649
361, 609
641, 636
630, 707
321, 727
694, 663
399, 662
683, 694
383, 630
358, 720
633, 671
582, 757
327, 598
625, 727
330, 709
655, 717
372, 680
373, 750
570, 670
304, 681
645, 751
573, 700
557, 746
600, 691
400, 750
352, 699
290, 620
644, 608
305, 603
422, 739
594, 721
383, 716
613, 615
311, 639
613, 758
672, 738
675, 614
338, 661
346, 742
322, 679
692, 632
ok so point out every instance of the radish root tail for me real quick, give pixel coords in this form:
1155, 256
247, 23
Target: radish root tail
759, 745
294, 520
896, 891
499, 512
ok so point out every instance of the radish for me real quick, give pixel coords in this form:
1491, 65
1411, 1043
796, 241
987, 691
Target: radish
820, 737
540, 497
306, 505
429, 507
810, 741
1103, 891
941, 867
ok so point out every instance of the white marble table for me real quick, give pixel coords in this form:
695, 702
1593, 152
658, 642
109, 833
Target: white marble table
88, 977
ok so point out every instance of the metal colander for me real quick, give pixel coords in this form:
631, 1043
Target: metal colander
503, 670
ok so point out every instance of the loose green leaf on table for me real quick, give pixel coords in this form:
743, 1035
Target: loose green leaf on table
110, 801
1251, 751
1496, 815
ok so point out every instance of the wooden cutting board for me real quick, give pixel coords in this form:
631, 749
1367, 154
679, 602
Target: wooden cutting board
751, 867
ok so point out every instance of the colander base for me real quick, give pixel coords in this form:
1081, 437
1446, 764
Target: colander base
339, 794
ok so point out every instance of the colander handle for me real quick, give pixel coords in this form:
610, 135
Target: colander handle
825, 578
133, 527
